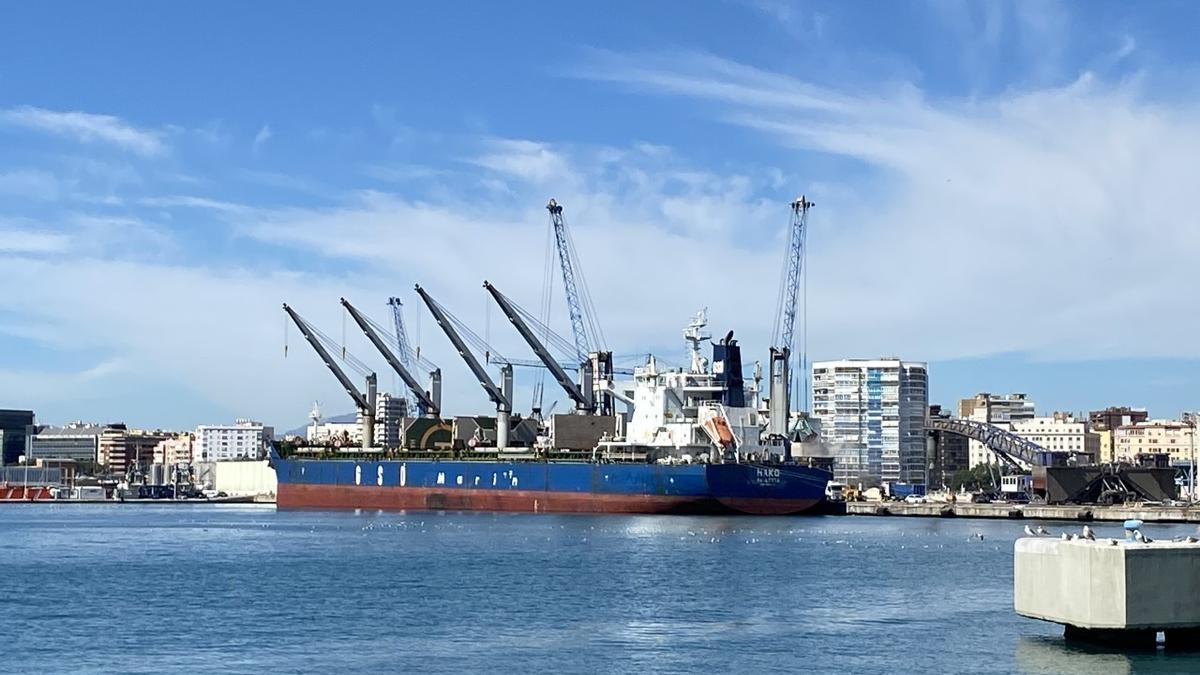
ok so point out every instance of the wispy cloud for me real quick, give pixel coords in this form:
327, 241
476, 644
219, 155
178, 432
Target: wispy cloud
18, 239
794, 17
29, 184
264, 134
1038, 192
525, 159
86, 128
193, 202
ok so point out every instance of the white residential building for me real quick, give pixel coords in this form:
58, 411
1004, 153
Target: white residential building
244, 439
872, 414
1000, 411
390, 413
334, 433
1060, 432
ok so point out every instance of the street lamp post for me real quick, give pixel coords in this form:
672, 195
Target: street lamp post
1191, 417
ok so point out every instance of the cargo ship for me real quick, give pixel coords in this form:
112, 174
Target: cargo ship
691, 442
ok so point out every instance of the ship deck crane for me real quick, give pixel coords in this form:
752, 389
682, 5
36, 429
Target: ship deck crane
502, 397
426, 402
365, 401
583, 399
783, 334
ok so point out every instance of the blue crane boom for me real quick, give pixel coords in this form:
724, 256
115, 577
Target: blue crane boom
580, 324
401, 334
783, 336
783, 339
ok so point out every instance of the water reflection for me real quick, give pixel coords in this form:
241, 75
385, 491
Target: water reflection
1045, 654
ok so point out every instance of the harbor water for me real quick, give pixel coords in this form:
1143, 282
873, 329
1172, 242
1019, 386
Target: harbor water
151, 589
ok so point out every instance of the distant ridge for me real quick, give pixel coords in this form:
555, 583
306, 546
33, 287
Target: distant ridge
301, 430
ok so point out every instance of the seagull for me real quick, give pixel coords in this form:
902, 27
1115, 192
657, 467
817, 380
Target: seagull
1141, 538
1043, 531
1191, 540
1088, 534
1112, 542
1065, 537
1030, 532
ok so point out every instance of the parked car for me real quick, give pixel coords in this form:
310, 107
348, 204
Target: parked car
915, 499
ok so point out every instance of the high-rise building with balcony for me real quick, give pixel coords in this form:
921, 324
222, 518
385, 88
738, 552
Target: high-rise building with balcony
872, 413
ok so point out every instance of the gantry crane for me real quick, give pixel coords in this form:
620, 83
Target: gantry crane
500, 395
365, 401
426, 401
783, 334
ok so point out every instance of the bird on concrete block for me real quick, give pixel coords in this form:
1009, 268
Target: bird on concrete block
1043, 532
1141, 538
1112, 542
1065, 537
1190, 539
1029, 532
1088, 534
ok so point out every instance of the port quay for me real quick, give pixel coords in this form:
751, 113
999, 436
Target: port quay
712, 437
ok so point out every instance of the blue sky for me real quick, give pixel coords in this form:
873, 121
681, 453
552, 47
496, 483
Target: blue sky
1002, 189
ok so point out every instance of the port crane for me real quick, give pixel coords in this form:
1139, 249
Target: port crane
584, 327
783, 334
428, 402
365, 401
499, 395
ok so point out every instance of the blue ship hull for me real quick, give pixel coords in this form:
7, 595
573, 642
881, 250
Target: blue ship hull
564, 487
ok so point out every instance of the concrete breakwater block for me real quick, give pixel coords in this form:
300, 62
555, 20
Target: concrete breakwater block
1111, 591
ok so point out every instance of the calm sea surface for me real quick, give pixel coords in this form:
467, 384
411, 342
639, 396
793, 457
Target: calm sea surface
148, 589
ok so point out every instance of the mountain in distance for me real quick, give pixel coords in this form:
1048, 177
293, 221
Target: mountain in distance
301, 430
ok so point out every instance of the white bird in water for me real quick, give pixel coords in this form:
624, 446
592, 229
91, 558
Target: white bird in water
1029, 532
1088, 534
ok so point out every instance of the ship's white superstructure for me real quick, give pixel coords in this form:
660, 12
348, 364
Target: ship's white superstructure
687, 415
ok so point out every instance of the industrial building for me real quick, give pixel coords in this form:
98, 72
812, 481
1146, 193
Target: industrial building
872, 413
16, 429
947, 453
77, 441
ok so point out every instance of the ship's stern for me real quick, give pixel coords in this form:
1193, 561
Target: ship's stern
767, 489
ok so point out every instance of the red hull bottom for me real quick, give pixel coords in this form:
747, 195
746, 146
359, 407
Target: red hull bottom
298, 496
